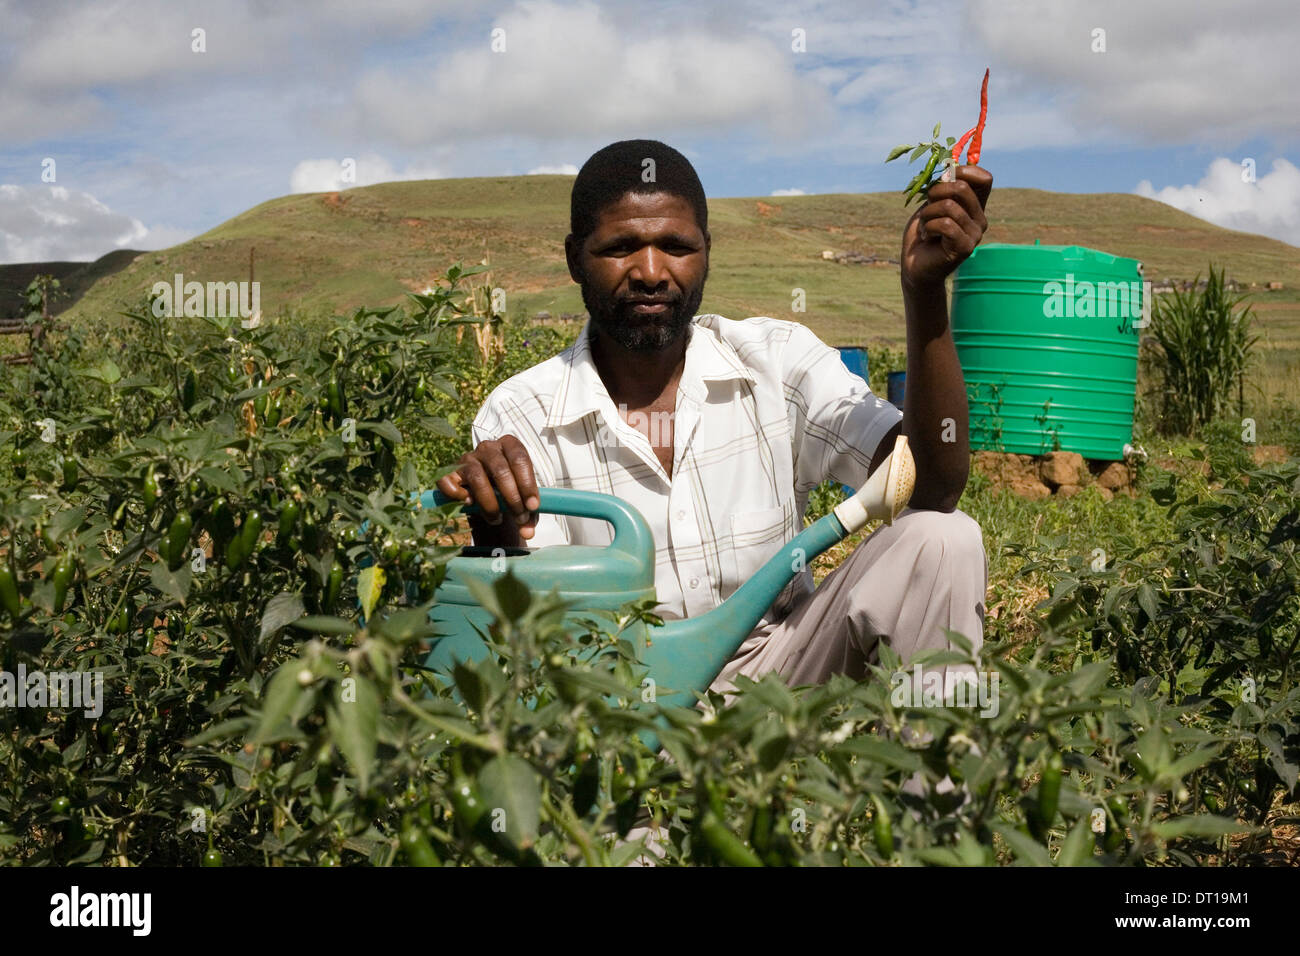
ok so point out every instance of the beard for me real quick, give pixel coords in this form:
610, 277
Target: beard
643, 333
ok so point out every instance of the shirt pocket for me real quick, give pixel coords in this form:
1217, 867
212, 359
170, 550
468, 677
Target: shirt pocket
755, 537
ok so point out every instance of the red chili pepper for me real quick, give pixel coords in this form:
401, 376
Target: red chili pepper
956, 149
974, 155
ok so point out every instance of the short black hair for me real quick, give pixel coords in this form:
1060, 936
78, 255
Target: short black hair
616, 170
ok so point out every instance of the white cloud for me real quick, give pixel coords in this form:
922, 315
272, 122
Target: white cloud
1270, 206
570, 70
53, 223
788, 192
326, 175
1171, 72
564, 169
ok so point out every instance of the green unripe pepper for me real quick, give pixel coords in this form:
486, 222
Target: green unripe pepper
465, 799
20, 463
178, 539
725, 844
9, 596
1049, 790
65, 569
250, 533
190, 390
882, 829
415, 845
213, 858
118, 623
221, 524
333, 586
149, 490
70, 474
288, 521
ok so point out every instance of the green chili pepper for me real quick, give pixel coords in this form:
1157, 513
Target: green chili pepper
415, 845
288, 521
923, 181
70, 474
882, 829
333, 587
725, 844
465, 799
9, 595
150, 489
421, 389
20, 463
250, 533
65, 569
259, 407
334, 392
586, 789
190, 390
178, 539
1049, 790
221, 524
118, 623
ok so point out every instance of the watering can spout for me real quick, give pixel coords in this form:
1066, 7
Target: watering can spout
688, 654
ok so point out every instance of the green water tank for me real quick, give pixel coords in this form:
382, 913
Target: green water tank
1048, 342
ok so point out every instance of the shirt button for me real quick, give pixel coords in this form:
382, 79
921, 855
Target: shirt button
695, 582
681, 514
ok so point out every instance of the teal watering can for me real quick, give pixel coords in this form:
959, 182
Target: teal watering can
684, 656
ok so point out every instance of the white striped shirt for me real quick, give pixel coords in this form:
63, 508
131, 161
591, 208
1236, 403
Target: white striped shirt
765, 412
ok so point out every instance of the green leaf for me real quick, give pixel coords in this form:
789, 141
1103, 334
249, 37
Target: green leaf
935, 134
384, 429
282, 692
172, 584
1147, 600
919, 151
324, 624
370, 584
896, 152
353, 721
1026, 848
1077, 848
281, 611
507, 783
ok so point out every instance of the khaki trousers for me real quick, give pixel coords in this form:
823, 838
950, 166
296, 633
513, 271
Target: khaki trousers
902, 585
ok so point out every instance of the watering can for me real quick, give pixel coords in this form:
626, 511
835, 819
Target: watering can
683, 656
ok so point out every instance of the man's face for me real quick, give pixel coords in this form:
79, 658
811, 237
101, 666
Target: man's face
646, 246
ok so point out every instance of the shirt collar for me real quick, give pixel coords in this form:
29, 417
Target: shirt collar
709, 358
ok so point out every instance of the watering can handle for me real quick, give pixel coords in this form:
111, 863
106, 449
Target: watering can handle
631, 533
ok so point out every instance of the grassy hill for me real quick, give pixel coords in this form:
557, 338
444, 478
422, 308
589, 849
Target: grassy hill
75, 279
369, 246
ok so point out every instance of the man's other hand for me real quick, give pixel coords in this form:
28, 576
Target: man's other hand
497, 466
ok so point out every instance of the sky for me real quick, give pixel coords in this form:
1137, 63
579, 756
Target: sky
142, 124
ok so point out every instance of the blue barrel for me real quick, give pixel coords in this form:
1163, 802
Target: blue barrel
894, 391
855, 360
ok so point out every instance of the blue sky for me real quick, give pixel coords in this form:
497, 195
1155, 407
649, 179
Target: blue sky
154, 143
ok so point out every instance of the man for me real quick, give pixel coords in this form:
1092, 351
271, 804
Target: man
717, 430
